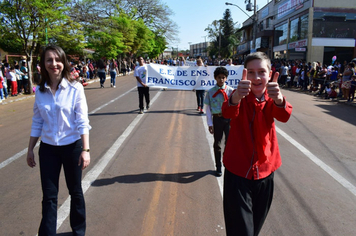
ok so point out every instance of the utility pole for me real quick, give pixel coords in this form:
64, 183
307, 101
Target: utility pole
220, 38
205, 46
254, 27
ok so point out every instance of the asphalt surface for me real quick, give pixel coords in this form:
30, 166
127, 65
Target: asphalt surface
152, 174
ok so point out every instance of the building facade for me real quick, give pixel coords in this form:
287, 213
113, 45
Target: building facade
199, 49
312, 30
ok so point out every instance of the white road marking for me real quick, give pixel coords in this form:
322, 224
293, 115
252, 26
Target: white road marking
23, 152
104, 105
92, 175
15, 157
344, 182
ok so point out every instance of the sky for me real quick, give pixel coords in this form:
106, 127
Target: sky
194, 16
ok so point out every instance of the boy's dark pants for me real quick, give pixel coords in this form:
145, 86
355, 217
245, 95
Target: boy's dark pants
246, 203
221, 126
143, 91
200, 97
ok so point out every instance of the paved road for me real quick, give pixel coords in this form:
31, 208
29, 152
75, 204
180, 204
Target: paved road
152, 174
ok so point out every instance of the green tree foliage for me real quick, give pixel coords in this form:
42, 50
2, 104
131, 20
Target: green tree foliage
224, 37
214, 33
100, 18
112, 28
69, 36
227, 33
26, 21
155, 15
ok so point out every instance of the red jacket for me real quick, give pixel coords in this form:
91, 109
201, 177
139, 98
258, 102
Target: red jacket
252, 148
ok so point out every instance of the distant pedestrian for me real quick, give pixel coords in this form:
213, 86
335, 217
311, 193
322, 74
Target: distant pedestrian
142, 88
200, 93
113, 72
101, 72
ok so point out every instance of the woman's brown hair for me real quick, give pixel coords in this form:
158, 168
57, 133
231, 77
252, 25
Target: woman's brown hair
44, 74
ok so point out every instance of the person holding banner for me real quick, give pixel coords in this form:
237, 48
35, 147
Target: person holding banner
229, 62
252, 154
142, 88
218, 125
200, 92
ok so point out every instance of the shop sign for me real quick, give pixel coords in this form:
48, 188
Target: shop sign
298, 44
300, 49
289, 6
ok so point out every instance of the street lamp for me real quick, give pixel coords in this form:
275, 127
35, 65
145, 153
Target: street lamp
254, 22
231, 4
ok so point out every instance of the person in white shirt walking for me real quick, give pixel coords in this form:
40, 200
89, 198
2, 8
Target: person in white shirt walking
142, 88
61, 120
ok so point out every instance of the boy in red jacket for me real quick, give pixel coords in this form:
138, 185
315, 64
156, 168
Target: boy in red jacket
252, 154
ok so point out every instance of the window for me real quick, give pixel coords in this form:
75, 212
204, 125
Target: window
280, 34
334, 25
294, 30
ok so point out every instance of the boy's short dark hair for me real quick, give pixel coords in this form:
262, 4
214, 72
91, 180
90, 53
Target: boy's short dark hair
259, 56
221, 70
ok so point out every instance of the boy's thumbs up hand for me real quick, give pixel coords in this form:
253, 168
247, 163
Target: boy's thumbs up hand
274, 91
243, 89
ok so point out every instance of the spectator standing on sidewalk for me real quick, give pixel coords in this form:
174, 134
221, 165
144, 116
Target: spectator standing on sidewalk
3, 82
25, 83
1, 87
284, 74
11, 76
346, 80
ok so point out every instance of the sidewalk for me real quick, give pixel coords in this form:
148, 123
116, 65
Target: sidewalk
337, 100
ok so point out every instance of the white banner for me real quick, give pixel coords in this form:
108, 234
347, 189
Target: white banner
188, 77
190, 63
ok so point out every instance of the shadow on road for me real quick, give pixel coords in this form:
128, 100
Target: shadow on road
341, 111
182, 178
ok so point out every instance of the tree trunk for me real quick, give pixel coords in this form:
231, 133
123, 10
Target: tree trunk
30, 74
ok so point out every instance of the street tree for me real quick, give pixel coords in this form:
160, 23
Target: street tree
27, 21
227, 37
99, 17
155, 14
223, 36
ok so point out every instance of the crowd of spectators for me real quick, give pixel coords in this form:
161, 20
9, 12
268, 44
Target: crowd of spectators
14, 77
333, 81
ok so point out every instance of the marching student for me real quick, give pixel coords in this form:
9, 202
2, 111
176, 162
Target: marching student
218, 125
252, 154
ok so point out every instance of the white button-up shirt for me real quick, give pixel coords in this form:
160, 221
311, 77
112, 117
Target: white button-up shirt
60, 119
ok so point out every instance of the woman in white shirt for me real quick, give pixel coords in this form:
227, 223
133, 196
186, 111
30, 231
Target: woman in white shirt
61, 120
